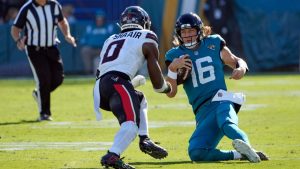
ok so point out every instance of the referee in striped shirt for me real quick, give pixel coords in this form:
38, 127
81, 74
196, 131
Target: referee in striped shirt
39, 19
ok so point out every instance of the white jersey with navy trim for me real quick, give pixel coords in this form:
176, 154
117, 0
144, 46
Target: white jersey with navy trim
123, 52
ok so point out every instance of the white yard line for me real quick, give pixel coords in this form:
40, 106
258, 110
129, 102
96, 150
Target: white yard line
294, 93
252, 107
246, 107
112, 123
80, 146
170, 106
267, 82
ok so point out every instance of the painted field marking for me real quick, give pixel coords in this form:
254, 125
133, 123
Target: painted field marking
80, 146
268, 82
113, 123
110, 123
247, 107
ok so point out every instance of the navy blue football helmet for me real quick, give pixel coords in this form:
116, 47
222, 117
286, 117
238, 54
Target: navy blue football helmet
189, 20
134, 17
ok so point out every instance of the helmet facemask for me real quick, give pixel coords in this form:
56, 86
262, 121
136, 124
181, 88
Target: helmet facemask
194, 39
189, 21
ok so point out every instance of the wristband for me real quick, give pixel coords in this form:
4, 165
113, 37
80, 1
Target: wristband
241, 63
172, 75
166, 88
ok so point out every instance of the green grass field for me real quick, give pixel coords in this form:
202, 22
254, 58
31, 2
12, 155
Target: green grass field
270, 117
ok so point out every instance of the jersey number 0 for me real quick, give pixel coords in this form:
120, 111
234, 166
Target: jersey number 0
112, 51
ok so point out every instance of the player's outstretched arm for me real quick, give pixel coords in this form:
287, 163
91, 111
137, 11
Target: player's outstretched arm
238, 65
159, 84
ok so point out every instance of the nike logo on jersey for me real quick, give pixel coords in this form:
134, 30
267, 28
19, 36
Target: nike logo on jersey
115, 79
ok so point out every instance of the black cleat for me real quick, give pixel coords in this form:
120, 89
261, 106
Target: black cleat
262, 156
114, 161
149, 147
44, 117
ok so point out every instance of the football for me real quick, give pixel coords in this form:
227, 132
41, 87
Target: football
181, 73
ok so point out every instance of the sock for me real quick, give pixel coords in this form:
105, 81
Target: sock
124, 137
143, 127
236, 155
233, 132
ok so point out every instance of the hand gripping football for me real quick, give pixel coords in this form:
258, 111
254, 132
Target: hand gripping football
183, 74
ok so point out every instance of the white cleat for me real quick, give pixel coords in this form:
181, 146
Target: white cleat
246, 150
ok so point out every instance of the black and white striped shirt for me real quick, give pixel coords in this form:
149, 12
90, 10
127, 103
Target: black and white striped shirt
40, 22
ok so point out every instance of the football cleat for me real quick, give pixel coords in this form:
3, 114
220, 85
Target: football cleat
263, 156
149, 147
114, 161
44, 117
246, 150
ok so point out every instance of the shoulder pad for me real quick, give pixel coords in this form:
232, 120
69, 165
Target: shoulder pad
150, 35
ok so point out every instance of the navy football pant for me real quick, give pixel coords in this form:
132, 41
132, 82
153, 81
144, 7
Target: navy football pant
119, 96
47, 68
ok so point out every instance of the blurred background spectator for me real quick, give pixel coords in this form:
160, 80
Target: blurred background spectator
93, 39
220, 16
9, 9
11, 15
68, 12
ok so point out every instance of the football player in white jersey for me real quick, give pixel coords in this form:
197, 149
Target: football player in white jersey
122, 56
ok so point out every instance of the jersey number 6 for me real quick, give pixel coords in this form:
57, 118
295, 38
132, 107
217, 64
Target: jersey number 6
208, 70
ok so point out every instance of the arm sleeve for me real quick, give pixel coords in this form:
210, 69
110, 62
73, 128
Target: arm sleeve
60, 14
20, 20
222, 42
151, 37
169, 57
222, 45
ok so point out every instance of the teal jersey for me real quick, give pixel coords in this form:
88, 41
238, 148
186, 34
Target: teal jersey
207, 75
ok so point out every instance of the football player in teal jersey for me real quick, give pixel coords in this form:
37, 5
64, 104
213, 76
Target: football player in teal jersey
204, 56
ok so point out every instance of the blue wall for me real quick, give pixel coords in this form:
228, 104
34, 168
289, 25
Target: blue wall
15, 63
269, 31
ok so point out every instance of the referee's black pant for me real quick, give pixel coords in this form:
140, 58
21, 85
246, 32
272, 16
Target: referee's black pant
47, 69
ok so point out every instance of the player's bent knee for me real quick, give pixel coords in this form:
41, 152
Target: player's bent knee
199, 154
56, 82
